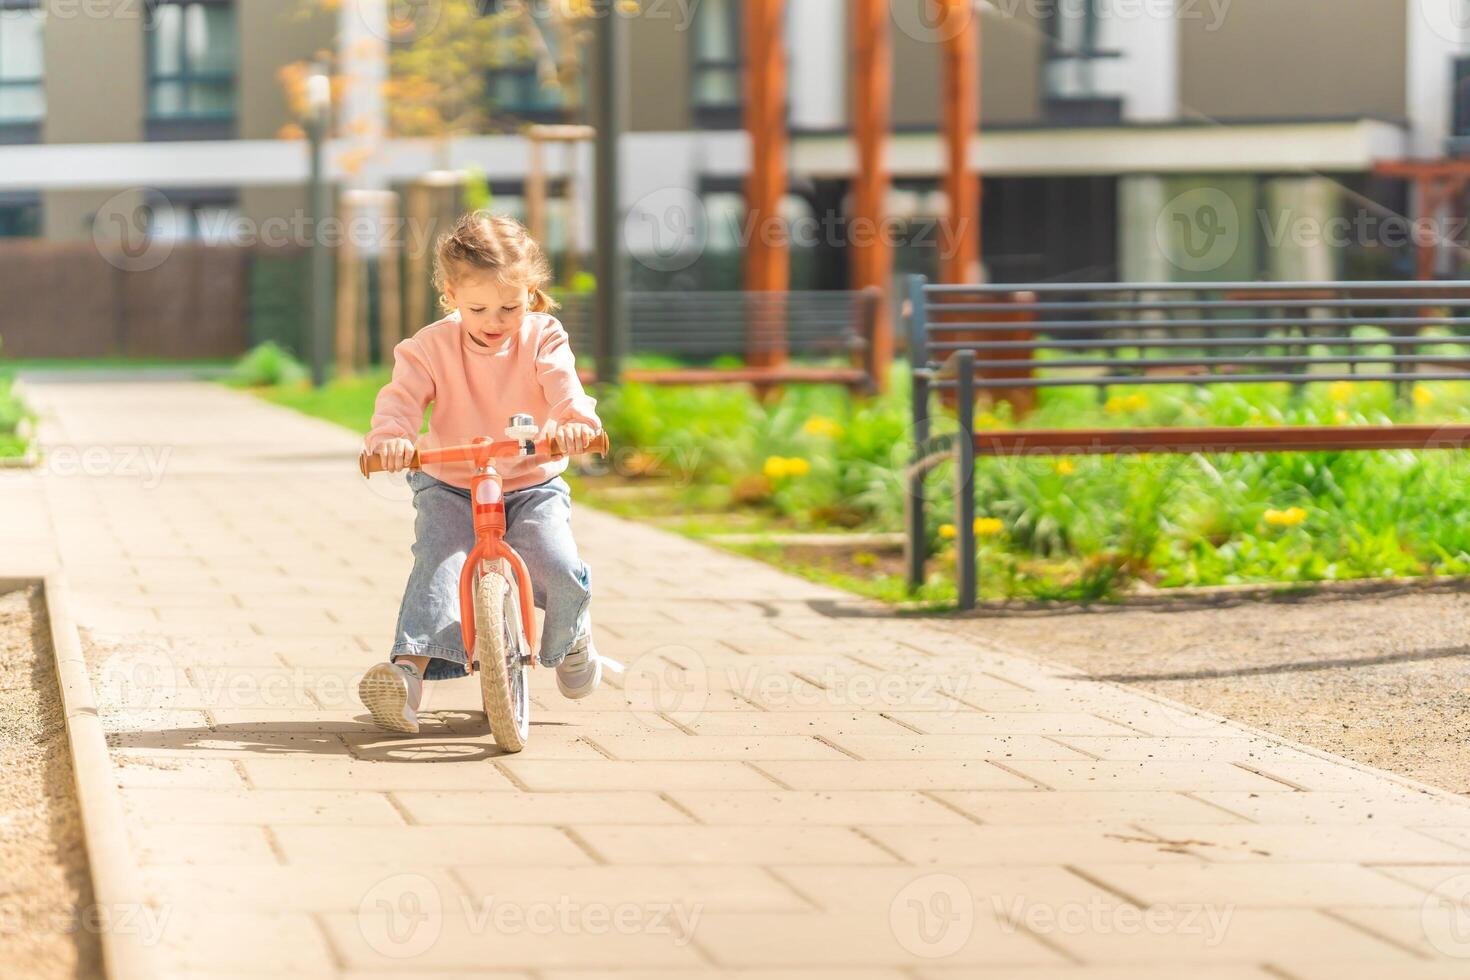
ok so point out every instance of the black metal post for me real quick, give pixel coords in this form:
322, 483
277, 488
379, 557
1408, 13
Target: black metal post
965, 582
916, 540
609, 109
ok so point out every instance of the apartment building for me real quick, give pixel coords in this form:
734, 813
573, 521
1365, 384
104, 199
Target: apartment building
1120, 138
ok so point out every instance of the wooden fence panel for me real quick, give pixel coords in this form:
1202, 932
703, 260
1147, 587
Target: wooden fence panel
65, 299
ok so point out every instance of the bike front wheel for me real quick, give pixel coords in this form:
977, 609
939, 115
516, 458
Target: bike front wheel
500, 642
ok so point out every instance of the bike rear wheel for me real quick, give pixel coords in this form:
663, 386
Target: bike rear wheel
500, 642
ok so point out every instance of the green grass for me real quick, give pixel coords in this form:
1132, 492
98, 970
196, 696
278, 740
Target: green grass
1085, 528
14, 417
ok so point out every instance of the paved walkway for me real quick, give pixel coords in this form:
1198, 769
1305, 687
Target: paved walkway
789, 781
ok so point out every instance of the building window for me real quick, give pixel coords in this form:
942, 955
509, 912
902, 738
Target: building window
1081, 77
20, 215
191, 69
197, 215
717, 70
1461, 133
22, 70
525, 87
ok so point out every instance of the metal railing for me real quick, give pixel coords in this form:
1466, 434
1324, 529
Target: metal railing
1012, 341
706, 324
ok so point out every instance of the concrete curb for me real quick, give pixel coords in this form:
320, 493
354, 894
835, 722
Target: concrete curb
116, 885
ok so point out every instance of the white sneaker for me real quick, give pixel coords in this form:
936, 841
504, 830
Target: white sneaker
391, 691
580, 671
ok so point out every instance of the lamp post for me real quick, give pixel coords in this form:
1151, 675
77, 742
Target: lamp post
609, 106
319, 104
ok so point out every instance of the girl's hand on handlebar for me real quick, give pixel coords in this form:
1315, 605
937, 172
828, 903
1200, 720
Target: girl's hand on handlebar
395, 454
575, 436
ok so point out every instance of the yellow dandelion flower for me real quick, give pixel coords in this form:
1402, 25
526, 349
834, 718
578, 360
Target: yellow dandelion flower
775, 467
988, 527
1423, 396
796, 466
947, 531
1340, 391
1119, 404
1290, 517
1065, 467
819, 425
1340, 415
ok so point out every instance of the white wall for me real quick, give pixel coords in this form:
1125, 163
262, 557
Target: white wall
816, 48
1438, 32
1150, 44
1145, 77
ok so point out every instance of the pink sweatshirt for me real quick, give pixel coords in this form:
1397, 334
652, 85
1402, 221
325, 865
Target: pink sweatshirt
475, 391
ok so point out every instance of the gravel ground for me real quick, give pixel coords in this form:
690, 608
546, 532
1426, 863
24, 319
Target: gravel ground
1378, 673
43, 864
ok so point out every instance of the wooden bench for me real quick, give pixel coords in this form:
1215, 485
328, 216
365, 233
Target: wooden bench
1010, 342
829, 325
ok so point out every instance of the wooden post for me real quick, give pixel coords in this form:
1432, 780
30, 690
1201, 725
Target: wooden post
960, 260
572, 215
390, 295
536, 188
347, 290
872, 253
767, 258
416, 300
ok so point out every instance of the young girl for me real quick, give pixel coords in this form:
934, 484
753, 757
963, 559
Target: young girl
498, 352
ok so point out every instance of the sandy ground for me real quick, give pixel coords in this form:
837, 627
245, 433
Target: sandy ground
1380, 674
43, 865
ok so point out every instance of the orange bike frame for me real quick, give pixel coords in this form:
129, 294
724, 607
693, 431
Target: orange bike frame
487, 500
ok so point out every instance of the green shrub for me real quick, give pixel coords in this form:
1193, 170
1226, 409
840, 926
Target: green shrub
14, 415
265, 365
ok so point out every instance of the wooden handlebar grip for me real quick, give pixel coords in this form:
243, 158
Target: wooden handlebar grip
599, 445
369, 463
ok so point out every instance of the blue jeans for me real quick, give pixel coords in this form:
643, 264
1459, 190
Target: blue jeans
537, 525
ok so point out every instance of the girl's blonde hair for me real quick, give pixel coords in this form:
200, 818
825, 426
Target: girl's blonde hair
482, 243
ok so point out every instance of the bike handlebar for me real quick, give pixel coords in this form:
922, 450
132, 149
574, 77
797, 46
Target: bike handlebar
482, 452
